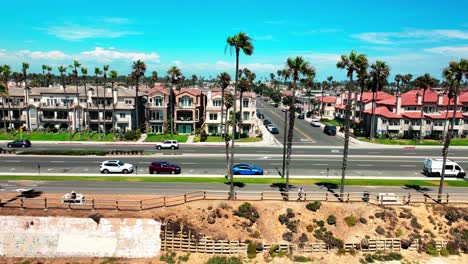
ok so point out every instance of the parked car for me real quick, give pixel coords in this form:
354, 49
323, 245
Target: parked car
301, 116
266, 122
315, 123
275, 105
115, 166
274, 130
284, 110
164, 167
246, 169
20, 143
260, 115
168, 144
433, 167
270, 126
330, 130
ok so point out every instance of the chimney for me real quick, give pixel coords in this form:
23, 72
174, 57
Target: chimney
114, 96
398, 103
209, 96
419, 98
440, 99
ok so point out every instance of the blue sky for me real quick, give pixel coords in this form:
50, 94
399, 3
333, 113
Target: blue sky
411, 37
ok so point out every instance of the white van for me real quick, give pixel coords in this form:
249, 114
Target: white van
433, 167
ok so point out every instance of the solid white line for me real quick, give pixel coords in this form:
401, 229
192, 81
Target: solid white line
408, 165
320, 164
365, 165
56, 161
12, 161
188, 163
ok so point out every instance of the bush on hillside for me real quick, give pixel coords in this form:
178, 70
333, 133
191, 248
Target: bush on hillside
313, 206
246, 210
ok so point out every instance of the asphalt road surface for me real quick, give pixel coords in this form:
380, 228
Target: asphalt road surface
214, 164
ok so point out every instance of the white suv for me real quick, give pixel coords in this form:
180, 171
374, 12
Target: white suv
168, 144
115, 166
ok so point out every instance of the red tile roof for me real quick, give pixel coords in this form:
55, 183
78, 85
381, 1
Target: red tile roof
383, 111
367, 96
327, 99
340, 106
192, 91
444, 115
463, 98
158, 90
412, 115
286, 93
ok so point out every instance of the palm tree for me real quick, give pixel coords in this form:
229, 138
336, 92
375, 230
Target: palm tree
5, 74
398, 79
379, 73
176, 76
406, 80
224, 79
273, 81
154, 77
309, 83
139, 69
84, 73
246, 79
49, 75
352, 63
194, 79
98, 72
76, 64
62, 69
44, 68
229, 101
424, 82
105, 69
25, 67
455, 71
238, 42
113, 76
295, 67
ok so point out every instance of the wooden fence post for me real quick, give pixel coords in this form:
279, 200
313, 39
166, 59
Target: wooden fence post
261, 196
69, 205
347, 199
409, 198
141, 205
92, 205
305, 196
164, 201
447, 198
204, 195
326, 196
185, 198
425, 198
1, 204
45, 203
117, 205
22, 204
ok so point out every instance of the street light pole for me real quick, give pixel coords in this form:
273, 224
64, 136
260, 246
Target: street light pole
284, 141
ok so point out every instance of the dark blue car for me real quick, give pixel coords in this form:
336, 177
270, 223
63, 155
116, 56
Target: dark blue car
246, 169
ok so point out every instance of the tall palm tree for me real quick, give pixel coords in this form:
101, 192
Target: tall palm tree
44, 68
229, 101
194, 79
139, 69
424, 82
62, 69
84, 73
309, 84
295, 68
224, 79
398, 79
105, 68
456, 71
406, 80
238, 42
273, 81
354, 63
98, 72
49, 75
113, 76
379, 73
176, 76
5, 74
154, 77
25, 67
76, 64
246, 79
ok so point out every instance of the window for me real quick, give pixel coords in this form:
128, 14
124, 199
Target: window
128, 101
82, 100
465, 121
384, 121
428, 122
407, 122
212, 129
245, 116
213, 116
157, 128
158, 101
245, 103
157, 115
36, 100
122, 115
411, 108
217, 103
32, 113
449, 167
186, 101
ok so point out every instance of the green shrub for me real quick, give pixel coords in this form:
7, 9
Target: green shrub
252, 250
320, 223
224, 260
399, 232
310, 228
452, 248
273, 250
301, 259
288, 236
331, 220
169, 257
132, 135
292, 225
341, 252
289, 213
451, 215
431, 249
203, 136
444, 252
313, 206
246, 210
283, 219
184, 258
350, 220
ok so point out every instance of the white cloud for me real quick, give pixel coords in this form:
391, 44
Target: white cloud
412, 35
325, 58
76, 32
46, 55
108, 55
450, 50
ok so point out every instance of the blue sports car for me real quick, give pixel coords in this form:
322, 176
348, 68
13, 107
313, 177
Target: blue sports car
246, 169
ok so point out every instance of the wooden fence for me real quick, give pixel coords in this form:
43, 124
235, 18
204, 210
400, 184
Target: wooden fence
172, 200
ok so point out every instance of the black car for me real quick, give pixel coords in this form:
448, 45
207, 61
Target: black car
274, 130
330, 130
266, 122
301, 116
20, 143
260, 115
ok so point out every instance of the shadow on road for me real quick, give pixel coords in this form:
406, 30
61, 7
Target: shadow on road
331, 187
282, 188
236, 184
417, 188
25, 194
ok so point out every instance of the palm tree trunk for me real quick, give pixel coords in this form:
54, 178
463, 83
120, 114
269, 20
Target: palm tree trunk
104, 110
292, 118
172, 109
3, 113
421, 136
86, 116
77, 104
222, 111
234, 125
321, 106
99, 109
446, 146
372, 124
346, 141
226, 141
136, 104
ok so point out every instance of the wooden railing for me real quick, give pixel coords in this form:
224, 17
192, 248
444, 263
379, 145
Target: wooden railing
178, 199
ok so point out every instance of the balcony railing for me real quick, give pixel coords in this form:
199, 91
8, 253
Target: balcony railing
184, 118
394, 127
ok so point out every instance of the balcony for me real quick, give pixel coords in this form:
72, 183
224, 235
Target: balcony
437, 128
415, 127
394, 127
56, 106
53, 119
185, 105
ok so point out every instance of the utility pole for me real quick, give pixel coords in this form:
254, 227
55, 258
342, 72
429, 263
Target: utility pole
284, 141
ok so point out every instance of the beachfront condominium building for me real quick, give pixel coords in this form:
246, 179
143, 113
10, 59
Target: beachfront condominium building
157, 110
189, 110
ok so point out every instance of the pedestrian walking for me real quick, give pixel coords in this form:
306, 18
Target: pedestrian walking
300, 193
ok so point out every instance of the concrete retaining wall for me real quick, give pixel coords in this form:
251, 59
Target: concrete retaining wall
28, 236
